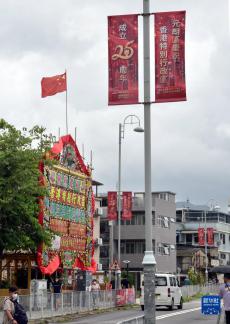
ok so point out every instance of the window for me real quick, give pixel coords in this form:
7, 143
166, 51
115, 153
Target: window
137, 219
104, 251
189, 238
160, 281
222, 238
174, 281
195, 236
164, 196
223, 256
132, 247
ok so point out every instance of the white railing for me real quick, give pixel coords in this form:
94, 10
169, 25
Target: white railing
192, 290
48, 305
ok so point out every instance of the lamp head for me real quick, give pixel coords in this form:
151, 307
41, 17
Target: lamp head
139, 129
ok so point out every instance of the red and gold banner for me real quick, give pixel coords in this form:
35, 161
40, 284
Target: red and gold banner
67, 197
123, 59
127, 205
69, 243
201, 236
210, 236
170, 56
112, 205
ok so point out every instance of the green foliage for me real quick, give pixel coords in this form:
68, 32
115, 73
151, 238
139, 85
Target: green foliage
196, 278
20, 153
131, 277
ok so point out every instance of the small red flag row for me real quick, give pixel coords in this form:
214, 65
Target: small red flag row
209, 236
126, 205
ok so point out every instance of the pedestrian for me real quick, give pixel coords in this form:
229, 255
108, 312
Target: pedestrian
8, 307
57, 290
225, 294
125, 283
94, 289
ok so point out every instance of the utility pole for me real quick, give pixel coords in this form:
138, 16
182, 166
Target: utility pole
119, 210
149, 259
206, 247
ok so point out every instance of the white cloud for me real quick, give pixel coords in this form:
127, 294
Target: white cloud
190, 140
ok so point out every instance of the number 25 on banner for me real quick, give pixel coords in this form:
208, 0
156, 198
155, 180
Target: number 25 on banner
124, 52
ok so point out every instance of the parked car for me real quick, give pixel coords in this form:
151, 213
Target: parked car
167, 292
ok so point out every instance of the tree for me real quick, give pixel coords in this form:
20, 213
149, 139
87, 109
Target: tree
20, 153
196, 277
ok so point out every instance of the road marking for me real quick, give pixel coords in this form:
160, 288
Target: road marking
178, 313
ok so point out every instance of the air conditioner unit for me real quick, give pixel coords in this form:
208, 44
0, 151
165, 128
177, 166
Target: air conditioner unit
99, 241
98, 211
99, 267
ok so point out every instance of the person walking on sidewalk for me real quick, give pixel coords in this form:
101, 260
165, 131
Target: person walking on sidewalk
94, 289
225, 294
8, 307
57, 290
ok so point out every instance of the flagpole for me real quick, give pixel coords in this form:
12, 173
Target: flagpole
66, 110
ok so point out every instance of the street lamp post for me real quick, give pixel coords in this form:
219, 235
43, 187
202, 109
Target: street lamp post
149, 261
129, 120
127, 262
213, 207
206, 247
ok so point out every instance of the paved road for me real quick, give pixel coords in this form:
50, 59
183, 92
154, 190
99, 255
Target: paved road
190, 314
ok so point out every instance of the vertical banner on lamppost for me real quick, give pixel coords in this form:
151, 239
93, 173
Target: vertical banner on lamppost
201, 237
170, 56
210, 236
112, 205
126, 205
123, 59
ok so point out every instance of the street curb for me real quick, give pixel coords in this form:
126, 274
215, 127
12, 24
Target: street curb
74, 316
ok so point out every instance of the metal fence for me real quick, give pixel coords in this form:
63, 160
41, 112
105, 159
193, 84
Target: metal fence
48, 304
189, 291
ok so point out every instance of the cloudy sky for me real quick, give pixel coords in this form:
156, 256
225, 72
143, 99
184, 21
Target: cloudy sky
190, 140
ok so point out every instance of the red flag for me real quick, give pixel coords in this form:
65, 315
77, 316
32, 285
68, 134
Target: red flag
201, 237
210, 236
127, 205
53, 85
112, 205
170, 56
123, 59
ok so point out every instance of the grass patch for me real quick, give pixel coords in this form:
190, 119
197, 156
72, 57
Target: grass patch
195, 297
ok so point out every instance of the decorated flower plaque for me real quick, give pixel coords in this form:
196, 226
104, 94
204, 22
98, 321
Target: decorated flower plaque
67, 210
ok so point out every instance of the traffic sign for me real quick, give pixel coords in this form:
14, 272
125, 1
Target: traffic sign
210, 305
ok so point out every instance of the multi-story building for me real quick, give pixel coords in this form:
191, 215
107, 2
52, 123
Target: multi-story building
96, 232
133, 234
189, 219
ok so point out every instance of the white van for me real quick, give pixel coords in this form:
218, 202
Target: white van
167, 292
